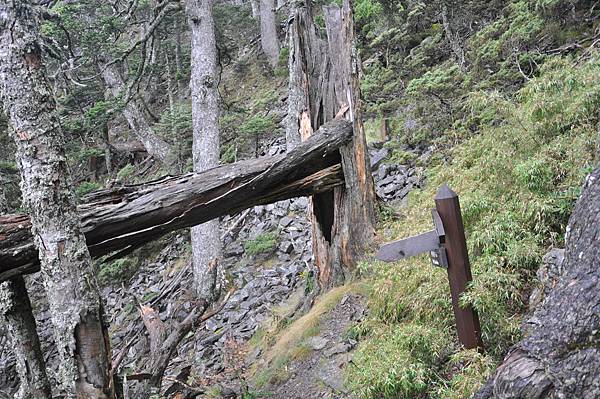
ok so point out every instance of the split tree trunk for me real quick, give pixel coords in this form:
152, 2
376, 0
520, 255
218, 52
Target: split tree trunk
127, 217
138, 123
268, 31
204, 81
560, 354
16, 314
324, 83
47, 188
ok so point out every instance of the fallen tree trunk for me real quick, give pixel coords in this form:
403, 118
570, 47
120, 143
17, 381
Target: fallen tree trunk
559, 356
123, 219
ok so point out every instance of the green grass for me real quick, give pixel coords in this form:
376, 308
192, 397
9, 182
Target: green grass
518, 178
263, 243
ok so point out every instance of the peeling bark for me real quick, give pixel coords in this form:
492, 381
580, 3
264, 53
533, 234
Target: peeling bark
16, 315
560, 354
204, 82
124, 218
47, 190
323, 84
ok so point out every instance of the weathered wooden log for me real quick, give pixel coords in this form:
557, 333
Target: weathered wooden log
559, 356
124, 218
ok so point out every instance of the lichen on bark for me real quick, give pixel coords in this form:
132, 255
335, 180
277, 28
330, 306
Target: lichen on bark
48, 193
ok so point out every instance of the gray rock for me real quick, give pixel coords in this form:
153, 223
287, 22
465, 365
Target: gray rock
317, 343
286, 247
341, 347
378, 156
286, 221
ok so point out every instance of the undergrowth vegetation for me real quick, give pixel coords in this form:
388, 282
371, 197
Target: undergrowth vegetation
518, 177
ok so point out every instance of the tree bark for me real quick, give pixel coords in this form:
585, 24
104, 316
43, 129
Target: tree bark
127, 217
3, 200
206, 242
255, 4
560, 354
324, 83
16, 314
136, 119
47, 189
453, 39
268, 31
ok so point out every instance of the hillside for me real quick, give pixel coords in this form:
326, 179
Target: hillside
498, 99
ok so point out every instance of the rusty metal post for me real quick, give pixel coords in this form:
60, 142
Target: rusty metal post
459, 270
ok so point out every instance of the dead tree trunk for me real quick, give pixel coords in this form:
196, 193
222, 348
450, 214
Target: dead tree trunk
127, 217
453, 39
560, 354
47, 188
15, 313
204, 82
324, 83
136, 119
268, 31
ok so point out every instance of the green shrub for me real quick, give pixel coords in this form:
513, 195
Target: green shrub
257, 126
125, 172
518, 179
116, 271
86, 188
264, 243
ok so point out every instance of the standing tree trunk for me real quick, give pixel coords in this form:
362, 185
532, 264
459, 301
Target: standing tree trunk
268, 31
16, 314
206, 242
453, 39
3, 200
255, 4
324, 84
133, 112
76, 310
560, 354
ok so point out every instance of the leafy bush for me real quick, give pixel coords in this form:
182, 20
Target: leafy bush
86, 187
125, 172
116, 271
257, 126
263, 243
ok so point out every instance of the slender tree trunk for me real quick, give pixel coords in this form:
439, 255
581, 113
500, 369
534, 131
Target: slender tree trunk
16, 314
453, 39
107, 150
3, 200
47, 188
171, 89
268, 31
204, 81
323, 85
136, 119
181, 87
255, 4
559, 356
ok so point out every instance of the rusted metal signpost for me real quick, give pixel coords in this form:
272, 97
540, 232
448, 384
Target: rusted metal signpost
448, 248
